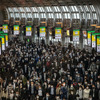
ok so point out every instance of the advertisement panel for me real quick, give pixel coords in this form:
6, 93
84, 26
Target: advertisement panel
6, 37
89, 37
76, 35
16, 29
3, 42
57, 33
94, 39
98, 44
28, 30
5, 28
42, 31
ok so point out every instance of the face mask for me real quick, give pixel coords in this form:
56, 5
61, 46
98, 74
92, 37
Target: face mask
37, 97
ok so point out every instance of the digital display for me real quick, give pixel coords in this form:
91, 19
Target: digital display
89, 37
42, 31
76, 35
28, 30
58, 33
5, 28
16, 29
94, 39
98, 44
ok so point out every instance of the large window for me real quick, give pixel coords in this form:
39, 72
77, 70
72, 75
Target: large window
94, 16
58, 15
43, 15
50, 15
36, 15
17, 15
75, 15
54, 12
11, 15
29, 15
67, 15
23, 15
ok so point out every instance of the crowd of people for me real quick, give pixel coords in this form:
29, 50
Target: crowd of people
30, 71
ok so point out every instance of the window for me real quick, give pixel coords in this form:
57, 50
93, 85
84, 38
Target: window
34, 9
88, 16
65, 9
15, 9
36, 15
10, 10
17, 15
73, 8
78, 17
83, 16
50, 15
67, 15
29, 15
27, 9
41, 9
94, 16
92, 8
48, 9
56, 9
74, 16
21, 9
11, 15
58, 15
43, 15
86, 8
23, 15
81, 8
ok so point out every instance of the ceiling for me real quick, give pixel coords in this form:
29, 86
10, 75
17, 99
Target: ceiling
23, 3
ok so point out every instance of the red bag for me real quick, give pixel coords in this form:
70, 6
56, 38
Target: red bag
48, 64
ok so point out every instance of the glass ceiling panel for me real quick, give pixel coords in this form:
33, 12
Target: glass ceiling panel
50, 15
21, 9
36, 15
65, 8
41, 9
17, 15
23, 15
27, 9
48, 9
34, 9
75, 8
72, 8
15, 9
86, 8
94, 16
92, 8
81, 8
10, 10
56, 9
29, 15
11, 15
43, 15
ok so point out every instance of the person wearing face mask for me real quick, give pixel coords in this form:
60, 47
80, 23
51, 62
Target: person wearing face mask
40, 93
79, 93
72, 89
92, 92
11, 96
72, 96
52, 92
47, 97
86, 93
58, 90
63, 91
97, 91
